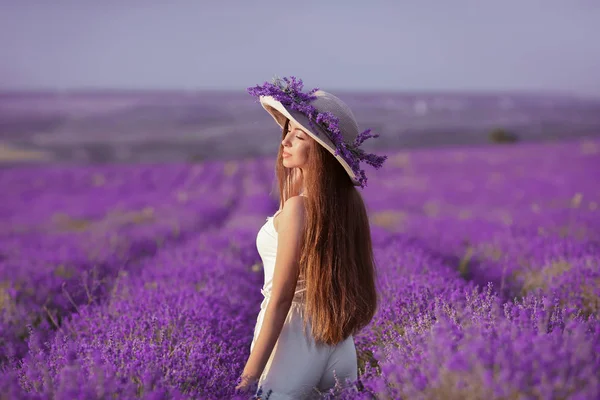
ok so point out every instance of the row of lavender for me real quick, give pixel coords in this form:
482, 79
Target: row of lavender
525, 218
67, 234
180, 325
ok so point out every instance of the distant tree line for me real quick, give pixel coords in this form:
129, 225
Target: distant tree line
501, 135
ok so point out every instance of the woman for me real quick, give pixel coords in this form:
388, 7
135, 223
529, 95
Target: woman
316, 249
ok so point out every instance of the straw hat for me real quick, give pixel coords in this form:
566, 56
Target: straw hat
324, 102
331, 123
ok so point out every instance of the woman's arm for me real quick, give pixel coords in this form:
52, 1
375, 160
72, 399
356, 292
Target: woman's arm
285, 277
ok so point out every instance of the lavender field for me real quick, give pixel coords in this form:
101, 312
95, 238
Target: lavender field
143, 281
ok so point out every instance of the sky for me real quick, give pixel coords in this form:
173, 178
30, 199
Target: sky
402, 45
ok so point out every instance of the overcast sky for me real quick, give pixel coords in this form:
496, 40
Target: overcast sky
546, 45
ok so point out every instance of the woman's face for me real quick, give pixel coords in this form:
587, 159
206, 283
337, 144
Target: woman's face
296, 143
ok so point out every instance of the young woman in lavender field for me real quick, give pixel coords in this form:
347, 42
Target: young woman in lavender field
320, 277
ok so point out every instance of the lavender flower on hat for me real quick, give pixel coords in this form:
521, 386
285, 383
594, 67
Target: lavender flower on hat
288, 91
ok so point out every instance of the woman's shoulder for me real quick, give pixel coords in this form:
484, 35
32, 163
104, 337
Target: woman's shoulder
294, 202
292, 211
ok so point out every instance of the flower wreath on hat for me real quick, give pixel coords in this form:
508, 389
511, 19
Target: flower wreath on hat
288, 91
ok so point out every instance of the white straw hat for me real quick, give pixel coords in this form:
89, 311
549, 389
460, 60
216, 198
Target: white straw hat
325, 102
325, 117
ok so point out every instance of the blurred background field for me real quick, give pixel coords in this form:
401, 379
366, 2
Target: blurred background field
184, 126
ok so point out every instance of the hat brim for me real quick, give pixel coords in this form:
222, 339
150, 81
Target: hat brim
279, 112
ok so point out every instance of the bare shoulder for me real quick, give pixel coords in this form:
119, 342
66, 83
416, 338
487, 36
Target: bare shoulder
292, 214
295, 204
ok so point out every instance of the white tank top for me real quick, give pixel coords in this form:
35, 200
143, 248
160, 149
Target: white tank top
266, 244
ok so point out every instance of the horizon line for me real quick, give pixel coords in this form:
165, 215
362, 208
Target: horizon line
174, 90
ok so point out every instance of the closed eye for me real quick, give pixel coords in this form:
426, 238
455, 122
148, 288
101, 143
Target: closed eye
290, 129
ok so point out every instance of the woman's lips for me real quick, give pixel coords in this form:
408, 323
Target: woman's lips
286, 154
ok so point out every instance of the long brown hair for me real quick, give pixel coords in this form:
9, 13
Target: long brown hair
336, 250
